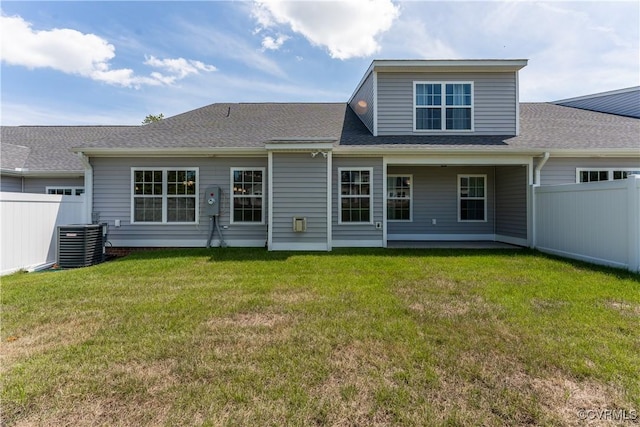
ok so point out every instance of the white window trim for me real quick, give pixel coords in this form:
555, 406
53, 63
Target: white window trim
233, 196
443, 107
410, 176
609, 171
485, 198
340, 196
63, 187
164, 196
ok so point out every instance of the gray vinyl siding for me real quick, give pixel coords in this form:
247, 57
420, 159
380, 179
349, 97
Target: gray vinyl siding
511, 201
435, 196
39, 185
494, 102
562, 170
623, 104
112, 199
299, 190
365, 93
11, 184
357, 232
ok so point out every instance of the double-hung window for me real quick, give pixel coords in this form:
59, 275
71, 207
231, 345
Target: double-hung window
164, 195
446, 106
355, 195
606, 174
399, 197
472, 198
247, 195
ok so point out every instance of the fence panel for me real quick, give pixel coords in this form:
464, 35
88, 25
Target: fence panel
596, 222
28, 227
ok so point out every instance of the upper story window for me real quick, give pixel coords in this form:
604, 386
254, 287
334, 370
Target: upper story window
446, 106
605, 174
164, 195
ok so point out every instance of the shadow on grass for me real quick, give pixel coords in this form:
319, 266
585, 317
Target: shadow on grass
262, 255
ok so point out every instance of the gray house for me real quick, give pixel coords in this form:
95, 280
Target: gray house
423, 150
623, 102
38, 159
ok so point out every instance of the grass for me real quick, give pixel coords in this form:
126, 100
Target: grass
355, 337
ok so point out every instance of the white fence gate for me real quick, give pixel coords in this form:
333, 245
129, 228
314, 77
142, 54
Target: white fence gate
597, 222
28, 228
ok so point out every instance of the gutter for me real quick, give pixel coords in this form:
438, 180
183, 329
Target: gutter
88, 187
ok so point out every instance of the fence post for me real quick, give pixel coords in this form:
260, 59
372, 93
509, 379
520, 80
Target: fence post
633, 215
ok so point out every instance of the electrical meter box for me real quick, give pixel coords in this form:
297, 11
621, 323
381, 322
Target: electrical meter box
212, 198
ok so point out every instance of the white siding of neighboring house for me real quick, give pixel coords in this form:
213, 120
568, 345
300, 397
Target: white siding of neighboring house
494, 102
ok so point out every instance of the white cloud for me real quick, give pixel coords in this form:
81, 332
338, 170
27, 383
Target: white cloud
348, 29
274, 44
87, 55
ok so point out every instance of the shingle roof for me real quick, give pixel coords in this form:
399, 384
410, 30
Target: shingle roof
48, 148
542, 126
234, 125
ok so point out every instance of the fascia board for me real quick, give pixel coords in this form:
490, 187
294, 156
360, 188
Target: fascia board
448, 65
41, 173
170, 152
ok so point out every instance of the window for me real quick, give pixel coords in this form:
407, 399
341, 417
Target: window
65, 191
248, 195
164, 195
606, 174
399, 196
472, 198
355, 195
443, 106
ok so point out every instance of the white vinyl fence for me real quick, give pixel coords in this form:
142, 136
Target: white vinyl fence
597, 222
28, 228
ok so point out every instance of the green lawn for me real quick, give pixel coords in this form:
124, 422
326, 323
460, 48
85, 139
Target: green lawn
354, 337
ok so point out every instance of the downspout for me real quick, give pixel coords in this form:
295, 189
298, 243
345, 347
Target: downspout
88, 187
539, 167
536, 183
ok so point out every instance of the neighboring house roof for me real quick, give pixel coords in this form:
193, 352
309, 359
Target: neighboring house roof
543, 127
13, 156
623, 102
28, 149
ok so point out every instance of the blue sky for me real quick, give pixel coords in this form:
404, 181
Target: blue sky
115, 62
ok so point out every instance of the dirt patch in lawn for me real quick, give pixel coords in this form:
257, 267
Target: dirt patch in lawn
250, 320
28, 343
292, 296
102, 411
567, 398
624, 307
357, 371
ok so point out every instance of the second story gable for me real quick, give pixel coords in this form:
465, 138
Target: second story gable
439, 97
